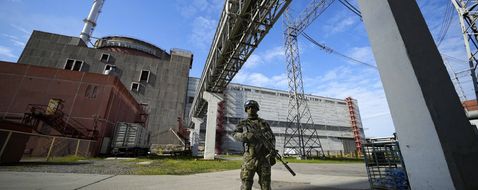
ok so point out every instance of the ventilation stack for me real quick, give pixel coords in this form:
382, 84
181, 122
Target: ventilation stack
90, 21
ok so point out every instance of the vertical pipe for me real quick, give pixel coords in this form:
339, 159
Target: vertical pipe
90, 21
49, 150
5, 144
88, 149
77, 146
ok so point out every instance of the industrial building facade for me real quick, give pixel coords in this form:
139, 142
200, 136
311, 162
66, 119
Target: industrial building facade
159, 81
332, 117
155, 78
86, 106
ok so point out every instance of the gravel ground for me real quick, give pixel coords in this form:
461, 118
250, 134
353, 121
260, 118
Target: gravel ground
103, 166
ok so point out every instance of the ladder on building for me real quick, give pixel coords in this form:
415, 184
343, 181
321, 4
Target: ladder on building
353, 122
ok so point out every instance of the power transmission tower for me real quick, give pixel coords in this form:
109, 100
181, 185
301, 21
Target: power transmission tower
468, 15
301, 136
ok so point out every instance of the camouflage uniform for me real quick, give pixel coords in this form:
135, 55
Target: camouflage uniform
257, 159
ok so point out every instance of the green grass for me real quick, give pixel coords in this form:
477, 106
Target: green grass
66, 159
189, 165
185, 166
231, 156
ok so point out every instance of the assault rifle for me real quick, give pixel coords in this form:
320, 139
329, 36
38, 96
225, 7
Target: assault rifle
274, 152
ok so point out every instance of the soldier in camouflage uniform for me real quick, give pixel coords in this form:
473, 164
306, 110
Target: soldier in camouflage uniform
254, 132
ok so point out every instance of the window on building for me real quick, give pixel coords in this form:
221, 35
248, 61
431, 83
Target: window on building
91, 91
69, 64
144, 77
190, 99
105, 57
109, 68
284, 95
135, 86
74, 65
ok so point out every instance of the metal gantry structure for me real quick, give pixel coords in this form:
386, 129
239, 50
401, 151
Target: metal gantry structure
468, 15
242, 26
300, 137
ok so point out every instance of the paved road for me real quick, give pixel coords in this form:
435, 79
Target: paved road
309, 177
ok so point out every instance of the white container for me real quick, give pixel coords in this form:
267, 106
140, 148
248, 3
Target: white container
129, 137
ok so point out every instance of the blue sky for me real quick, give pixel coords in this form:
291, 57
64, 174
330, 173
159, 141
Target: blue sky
190, 24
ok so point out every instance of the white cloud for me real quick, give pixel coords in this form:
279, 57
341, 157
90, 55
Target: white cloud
339, 23
252, 61
258, 79
259, 58
203, 32
261, 80
274, 53
15, 40
359, 83
363, 54
26, 32
192, 8
330, 76
6, 53
343, 24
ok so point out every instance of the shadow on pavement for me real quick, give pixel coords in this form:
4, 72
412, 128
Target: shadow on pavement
281, 185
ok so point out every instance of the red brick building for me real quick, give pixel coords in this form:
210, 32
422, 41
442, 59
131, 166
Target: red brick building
92, 103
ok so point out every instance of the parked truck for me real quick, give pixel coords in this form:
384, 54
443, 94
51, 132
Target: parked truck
130, 139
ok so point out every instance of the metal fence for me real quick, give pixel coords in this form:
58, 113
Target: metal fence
385, 166
45, 147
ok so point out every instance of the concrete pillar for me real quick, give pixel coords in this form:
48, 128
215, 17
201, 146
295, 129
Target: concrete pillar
439, 147
210, 142
194, 136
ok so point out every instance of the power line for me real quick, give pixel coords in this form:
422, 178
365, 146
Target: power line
330, 50
447, 19
351, 8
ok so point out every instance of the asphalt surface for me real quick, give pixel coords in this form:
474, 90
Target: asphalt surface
100, 166
309, 177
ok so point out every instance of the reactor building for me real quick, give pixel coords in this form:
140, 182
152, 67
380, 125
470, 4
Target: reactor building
155, 78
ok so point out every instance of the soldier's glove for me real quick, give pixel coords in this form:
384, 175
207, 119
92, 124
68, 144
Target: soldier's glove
249, 136
272, 159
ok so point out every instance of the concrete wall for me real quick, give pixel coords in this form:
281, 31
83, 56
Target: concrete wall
164, 93
331, 116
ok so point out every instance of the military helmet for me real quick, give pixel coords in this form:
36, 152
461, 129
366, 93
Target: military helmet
251, 103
